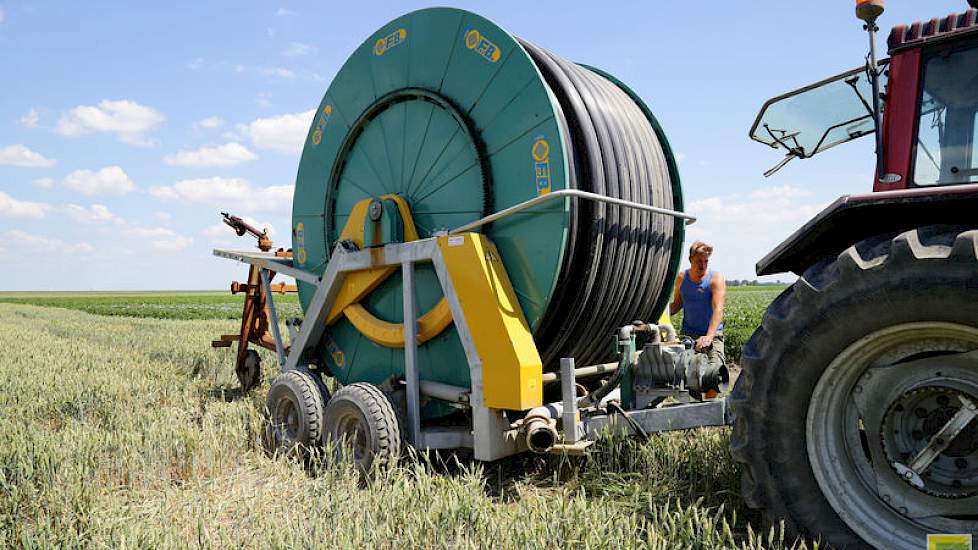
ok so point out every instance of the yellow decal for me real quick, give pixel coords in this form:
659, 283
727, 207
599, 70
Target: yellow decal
482, 46
949, 542
317, 134
335, 352
389, 41
541, 164
300, 244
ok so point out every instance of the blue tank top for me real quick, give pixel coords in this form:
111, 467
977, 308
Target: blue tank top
697, 305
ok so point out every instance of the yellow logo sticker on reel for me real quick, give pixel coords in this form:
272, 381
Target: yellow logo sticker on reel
482, 46
389, 41
317, 134
300, 244
541, 164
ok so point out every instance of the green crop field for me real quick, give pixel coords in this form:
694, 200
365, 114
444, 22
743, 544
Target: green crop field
126, 429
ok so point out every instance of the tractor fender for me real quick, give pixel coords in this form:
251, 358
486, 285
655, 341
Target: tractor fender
851, 218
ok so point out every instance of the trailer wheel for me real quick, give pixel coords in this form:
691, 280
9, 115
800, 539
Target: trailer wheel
362, 426
851, 375
295, 412
249, 373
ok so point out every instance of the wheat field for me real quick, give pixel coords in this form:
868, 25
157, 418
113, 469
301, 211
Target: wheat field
120, 432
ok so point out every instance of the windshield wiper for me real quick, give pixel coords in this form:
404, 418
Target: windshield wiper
793, 152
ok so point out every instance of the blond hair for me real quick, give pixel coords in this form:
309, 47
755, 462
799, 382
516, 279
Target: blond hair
700, 247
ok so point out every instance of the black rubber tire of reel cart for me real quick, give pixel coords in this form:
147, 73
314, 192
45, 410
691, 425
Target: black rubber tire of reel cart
295, 408
249, 374
614, 155
361, 423
928, 274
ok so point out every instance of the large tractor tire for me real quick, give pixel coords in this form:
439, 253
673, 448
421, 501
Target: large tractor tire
854, 371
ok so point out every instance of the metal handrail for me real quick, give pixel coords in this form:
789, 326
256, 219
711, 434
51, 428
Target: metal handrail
570, 193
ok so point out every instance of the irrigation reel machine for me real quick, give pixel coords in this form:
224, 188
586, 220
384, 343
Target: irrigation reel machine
516, 207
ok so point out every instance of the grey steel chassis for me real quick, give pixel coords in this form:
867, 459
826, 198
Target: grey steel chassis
492, 435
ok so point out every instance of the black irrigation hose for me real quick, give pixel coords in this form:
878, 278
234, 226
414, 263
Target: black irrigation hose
617, 259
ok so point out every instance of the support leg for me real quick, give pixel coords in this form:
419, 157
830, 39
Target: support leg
411, 356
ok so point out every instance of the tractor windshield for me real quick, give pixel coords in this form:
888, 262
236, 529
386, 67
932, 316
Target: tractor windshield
819, 116
947, 131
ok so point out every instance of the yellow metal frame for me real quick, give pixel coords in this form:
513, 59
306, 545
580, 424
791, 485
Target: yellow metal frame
510, 365
361, 283
512, 372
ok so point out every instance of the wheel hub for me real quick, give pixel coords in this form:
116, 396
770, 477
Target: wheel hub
913, 422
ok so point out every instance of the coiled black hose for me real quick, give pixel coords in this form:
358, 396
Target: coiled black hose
617, 259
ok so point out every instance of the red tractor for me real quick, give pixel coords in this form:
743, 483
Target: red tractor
855, 414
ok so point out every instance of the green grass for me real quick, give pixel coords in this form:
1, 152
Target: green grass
128, 432
157, 305
744, 308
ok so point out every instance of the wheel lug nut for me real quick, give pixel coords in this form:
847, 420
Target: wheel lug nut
961, 463
920, 412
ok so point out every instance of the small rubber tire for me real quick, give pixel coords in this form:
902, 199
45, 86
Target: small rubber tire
295, 412
361, 425
926, 275
249, 374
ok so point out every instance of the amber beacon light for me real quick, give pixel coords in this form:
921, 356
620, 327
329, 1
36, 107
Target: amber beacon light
869, 10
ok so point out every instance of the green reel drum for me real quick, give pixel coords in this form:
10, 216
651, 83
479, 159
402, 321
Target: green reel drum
459, 119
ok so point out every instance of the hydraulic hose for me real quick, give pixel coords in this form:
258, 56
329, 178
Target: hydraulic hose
617, 259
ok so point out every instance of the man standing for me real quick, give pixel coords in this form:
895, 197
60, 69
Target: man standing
700, 293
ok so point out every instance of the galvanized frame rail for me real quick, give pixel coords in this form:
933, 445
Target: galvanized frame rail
570, 193
491, 436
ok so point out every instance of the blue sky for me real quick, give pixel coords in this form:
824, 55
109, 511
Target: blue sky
126, 127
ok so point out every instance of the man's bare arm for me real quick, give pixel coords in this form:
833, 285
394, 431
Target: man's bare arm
677, 298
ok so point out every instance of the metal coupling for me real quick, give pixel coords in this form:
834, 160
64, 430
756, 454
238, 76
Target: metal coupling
540, 430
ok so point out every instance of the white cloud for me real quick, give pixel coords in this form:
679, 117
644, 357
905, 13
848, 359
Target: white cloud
774, 205
20, 155
228, 193
744, 227
96, 213
111, 180
3, 15
43, 183
283, 133
30, 119
279, 72
297, 49
39, 243
161, 238
127, 119
11, 207
282, 12
162, 216
210, 123
229, 154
